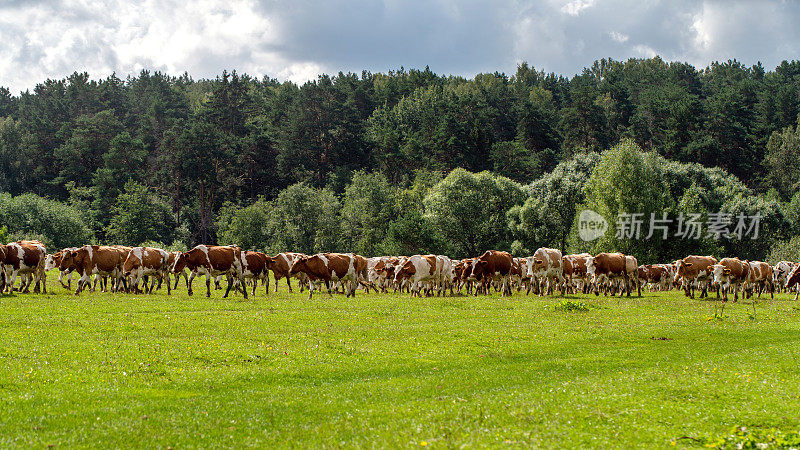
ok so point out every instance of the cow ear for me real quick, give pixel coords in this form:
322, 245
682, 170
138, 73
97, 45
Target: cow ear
688, 264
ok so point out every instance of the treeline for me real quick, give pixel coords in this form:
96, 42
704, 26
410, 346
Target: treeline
303, 157
464, 213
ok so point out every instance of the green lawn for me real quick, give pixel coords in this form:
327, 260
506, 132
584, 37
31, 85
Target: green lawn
106, 370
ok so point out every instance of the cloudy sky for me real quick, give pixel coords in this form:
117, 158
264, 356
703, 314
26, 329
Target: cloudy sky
298, 39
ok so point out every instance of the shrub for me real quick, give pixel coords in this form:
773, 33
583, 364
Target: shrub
138, 216
57, 225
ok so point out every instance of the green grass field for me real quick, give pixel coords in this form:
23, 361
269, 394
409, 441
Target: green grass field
118, 370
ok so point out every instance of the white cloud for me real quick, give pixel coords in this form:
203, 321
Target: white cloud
619, 37
644, 51
299, 39
574, 7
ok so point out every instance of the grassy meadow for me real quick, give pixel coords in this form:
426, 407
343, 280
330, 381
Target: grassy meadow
119, 370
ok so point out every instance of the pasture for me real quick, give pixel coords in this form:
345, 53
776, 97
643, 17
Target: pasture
120, 370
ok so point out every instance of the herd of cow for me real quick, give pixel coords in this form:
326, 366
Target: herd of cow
125, 268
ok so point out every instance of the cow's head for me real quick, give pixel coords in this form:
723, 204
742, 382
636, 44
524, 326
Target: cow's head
300, 265
480, 269
181, 260
720, 272
534, 265
68, 261
52, 260
794, 277
407, 270
591, 267
681, 269
131, 263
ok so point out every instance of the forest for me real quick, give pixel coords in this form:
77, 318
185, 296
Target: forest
404, 162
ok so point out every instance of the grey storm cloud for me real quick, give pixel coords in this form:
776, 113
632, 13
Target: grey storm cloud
299, 39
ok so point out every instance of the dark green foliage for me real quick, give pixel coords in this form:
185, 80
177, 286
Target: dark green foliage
244, 226
202, 144
29, 216
304, 219
469, 211
138, 215
368, 209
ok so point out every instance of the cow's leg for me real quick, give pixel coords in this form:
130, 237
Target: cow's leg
189, 283
82, 282
228, 288
289, 283
38, 281
266, 282
208, 285
310, 288
244, 285
12, 280
61, 278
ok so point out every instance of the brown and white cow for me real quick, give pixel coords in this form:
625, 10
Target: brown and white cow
519, 273
793, 281
759, 277
376, 272
94, 260
493, 265
281, 265
385, 270
466, 278
546, 266
641, 274
606, 268
26, 259
446, 273
418, 270
255, 266
657, 276
575, 270
695, 269
328, 267
2, 268
781, 273
146, 262
730, 272
53, 261
212, 261
171, 263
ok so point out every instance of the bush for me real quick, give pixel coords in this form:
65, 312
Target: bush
469, 211
54, 223
304, 219
138, 216
246, 227
176, 246
788, 250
